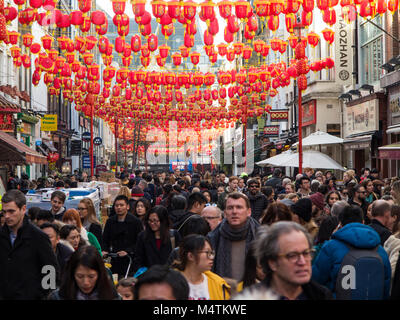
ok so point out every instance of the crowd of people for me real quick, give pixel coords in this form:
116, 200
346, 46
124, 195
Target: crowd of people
209, 237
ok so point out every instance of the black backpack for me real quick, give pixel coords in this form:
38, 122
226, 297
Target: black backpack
361, 275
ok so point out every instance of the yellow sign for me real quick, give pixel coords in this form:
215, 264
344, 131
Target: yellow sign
48, 122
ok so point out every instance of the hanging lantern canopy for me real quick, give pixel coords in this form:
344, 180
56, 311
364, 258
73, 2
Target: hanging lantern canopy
242, 9
275, 44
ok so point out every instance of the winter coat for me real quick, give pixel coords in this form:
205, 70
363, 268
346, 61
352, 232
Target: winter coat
182, 219
63, 254
258, 204
96, 230
218, 288
392, 247
311, 291
121, 236
273, 182
147, 254
384, 233
176, 215
329, 260
21, 264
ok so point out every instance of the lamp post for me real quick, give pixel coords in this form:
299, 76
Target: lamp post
116, 144
91, 140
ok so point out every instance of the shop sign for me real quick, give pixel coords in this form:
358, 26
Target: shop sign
6, 122
309, 110
272, 131
362, 117
48, 122
279, 115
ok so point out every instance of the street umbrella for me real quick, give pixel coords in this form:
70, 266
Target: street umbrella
312, 159
320, 138
275, 161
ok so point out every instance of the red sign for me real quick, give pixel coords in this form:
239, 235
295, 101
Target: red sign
279, 115
389, 154
309, 113
6, 122
271, 131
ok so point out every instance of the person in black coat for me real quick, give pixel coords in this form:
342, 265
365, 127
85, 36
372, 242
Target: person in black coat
120, 235
24, 251
258, 201
156, 242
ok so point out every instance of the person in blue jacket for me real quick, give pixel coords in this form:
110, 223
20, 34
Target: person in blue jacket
352, 232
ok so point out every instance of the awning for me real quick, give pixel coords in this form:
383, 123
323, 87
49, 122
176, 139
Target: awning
16, 153
393, 129
357, 143
49, 145
7, 106
40, 149
390, 152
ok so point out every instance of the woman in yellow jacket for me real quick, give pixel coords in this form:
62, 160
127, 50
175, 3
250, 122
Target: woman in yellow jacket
196, 258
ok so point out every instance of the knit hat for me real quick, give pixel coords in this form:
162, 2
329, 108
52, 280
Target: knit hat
303, 208
317, 199
137, 192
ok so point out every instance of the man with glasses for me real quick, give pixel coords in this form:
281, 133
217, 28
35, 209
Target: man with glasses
359, 200
284, 251
213, 216
258, 201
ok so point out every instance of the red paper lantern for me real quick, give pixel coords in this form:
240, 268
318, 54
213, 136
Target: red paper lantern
222, 49
208, 38
159, 9
313, 39
152, 42
228, 36
247, 52
233, 24
393, 5
118, 6
195, 58
189, 10
167, 30
10, 13
85, 5
225, 9
329, 35
302, 82
177, 59
329, 15
138, 7
98, 18
164, 50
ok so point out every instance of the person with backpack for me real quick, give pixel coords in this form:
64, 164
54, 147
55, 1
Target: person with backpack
353, 264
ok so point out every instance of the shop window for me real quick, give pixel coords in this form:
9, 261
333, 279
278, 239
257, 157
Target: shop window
333, 129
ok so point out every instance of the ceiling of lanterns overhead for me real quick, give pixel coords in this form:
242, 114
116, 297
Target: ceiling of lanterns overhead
196, 100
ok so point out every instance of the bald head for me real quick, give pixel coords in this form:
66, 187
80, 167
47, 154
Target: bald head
379, 208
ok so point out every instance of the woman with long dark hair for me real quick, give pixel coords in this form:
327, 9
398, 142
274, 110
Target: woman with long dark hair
156, 242
196, 258
85, 278
141, 208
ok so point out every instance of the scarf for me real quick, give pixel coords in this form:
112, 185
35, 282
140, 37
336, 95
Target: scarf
224, 247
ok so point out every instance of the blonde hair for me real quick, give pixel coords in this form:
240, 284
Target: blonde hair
91, 216
351, 173
291, 196
125, 192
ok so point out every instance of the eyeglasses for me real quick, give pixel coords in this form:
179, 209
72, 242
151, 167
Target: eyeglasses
344, 193
210, 254
154, 221
211, 205
80, 209
253, 186
294, 257
211, 218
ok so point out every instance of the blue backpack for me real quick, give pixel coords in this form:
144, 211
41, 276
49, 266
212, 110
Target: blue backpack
361, 275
